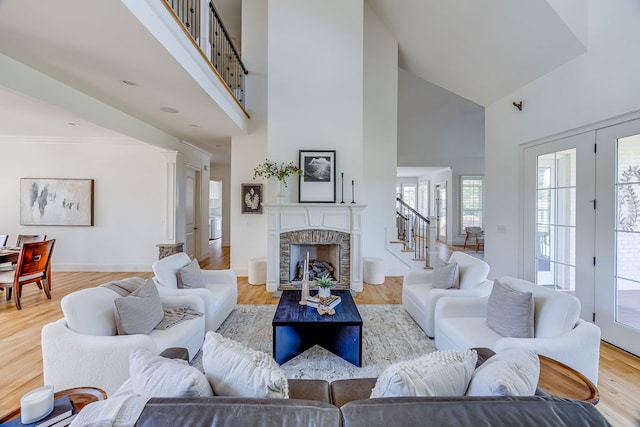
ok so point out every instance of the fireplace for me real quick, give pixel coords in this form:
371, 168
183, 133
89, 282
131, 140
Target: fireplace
327, 246
329, 233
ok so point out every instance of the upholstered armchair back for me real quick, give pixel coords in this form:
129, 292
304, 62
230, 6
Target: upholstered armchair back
90, 311
473, 271
556, 313
167, 268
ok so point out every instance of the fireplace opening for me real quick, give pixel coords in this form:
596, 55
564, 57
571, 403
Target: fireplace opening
323, 260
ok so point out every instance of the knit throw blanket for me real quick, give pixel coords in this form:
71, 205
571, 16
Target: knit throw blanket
172, 315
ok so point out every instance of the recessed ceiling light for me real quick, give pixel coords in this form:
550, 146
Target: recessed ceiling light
73, 124
129, 83
169, 110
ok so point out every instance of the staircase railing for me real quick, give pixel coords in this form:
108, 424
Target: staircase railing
413, 231
202, 22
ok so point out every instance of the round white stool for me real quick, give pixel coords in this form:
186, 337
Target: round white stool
257, 271
373, 270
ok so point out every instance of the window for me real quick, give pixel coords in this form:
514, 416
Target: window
471, 201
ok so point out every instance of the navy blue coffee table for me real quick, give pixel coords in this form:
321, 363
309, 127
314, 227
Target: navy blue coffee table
297, 328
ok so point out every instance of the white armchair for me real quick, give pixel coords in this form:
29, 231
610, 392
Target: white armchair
559, 333
419, 297
220, 294
83, 348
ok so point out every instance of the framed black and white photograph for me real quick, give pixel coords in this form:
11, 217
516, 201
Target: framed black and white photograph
52, 201
318, 180
251, 198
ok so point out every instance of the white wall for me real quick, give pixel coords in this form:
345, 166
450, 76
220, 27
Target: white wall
129, 196
598, 85
438, 128
315, 51
249, 232
380, 117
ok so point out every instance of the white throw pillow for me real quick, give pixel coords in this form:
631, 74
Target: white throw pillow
190, 276
235, 370
441, 373
446, 276
512, 372
156, 376
509, 312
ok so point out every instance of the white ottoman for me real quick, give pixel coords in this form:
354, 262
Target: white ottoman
373, 270
257, 271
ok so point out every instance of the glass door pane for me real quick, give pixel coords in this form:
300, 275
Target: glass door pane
627, 232
556, 220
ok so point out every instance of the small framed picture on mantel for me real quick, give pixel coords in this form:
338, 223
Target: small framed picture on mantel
318, 180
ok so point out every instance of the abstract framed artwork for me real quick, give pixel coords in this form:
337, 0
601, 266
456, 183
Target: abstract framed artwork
251, 198
318, 180
51, 201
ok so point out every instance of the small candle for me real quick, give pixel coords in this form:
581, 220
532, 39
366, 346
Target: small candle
36, 404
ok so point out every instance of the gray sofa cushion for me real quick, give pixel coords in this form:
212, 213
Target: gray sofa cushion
237, 411
530, 411
509, 312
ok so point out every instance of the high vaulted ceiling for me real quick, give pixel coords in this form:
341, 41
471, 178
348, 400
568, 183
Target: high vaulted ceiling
480, 50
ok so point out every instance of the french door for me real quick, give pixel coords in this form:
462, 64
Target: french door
618, 235
559, 217
581, 229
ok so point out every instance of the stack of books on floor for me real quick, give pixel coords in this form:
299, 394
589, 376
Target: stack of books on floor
331, 302
64, 411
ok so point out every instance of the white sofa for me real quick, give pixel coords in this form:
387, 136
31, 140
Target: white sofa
220, 294
419, 297
558, 331
83, 349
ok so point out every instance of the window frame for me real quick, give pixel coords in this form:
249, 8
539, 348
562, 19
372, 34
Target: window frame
461, 209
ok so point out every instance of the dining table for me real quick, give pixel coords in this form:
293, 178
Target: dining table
9, 254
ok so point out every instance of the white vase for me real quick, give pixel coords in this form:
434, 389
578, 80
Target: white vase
282, 195
324, 292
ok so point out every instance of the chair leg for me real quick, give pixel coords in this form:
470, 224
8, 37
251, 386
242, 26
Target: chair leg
47, 288
465, 241
16, 297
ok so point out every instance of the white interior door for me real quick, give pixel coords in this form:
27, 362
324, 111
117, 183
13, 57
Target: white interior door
441, 211
559, 217
191, 213
618, 235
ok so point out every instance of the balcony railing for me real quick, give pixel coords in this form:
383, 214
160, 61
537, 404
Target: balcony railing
202, 22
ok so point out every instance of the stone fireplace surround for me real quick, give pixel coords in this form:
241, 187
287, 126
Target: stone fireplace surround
339, 224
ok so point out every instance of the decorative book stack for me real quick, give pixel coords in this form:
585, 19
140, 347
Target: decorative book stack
64, 411
330, 302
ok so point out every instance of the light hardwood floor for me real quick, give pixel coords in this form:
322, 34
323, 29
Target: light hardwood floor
21, 367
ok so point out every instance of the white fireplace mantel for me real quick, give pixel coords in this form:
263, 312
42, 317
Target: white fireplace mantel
282, 218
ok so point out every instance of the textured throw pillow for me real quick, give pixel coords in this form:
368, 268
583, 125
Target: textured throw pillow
513, 372
445, 276
235, 370
190, 276
156, 376
509, 312
441, 373
139, 312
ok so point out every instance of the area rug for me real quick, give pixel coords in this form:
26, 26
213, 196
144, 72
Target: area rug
389, 335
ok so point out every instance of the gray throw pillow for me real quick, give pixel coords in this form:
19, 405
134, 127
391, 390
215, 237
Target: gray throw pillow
190, 276
139, 312
445, 276
509, 312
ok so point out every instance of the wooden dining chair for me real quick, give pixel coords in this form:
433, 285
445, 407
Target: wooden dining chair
33, 267
30, 238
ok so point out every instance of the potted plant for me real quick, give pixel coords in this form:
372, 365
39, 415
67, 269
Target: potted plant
324, 284
269, 169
